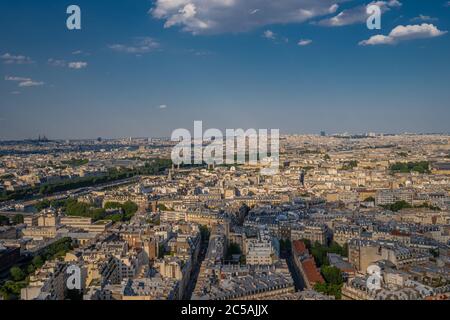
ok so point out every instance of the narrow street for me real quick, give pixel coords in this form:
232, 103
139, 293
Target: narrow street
196, 270
298, 280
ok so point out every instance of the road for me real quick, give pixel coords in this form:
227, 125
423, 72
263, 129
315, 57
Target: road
195, 272
298, 280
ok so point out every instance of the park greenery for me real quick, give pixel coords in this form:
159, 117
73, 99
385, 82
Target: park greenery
319, 251
407, 167
153, 167
5, 221
332, 275
333, 282
127, 210
349, 165
399, 205
71, 207
19, 276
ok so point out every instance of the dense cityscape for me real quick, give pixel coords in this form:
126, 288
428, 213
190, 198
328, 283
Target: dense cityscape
224, 158
138, 227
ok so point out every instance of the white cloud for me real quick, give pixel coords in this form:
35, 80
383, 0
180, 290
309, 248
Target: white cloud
220, 16
62, 64
447, 4
139, 46
304, 42
24, 82
15, 59
9, 78
56, 63
77, 65
162, 107
401, 33
377, 39
15, 92
423, 18
268, 34
356, 14
31, 83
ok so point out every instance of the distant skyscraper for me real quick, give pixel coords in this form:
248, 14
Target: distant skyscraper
323, 133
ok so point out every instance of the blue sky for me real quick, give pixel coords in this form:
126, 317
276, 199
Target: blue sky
145, 68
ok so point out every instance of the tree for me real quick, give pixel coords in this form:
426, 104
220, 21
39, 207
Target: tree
112, 205
307, 243
17, 274
349, 165
17, 219
397, 206
421, 167
44, 204
11, 290
320, 252
31, 269
332, 274
129, 208
204, 232
37, 262
329, 289
4, 220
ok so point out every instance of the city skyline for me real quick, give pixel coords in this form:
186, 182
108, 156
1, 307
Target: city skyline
148, 69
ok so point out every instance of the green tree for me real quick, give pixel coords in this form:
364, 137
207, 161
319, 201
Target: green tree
31, 268
17, 219
307, 243
397, 206
4, 221
349, 165
11, 290
329, 289
37, 262
129, 208
332, 274
17, 274
421, 167
41, 205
